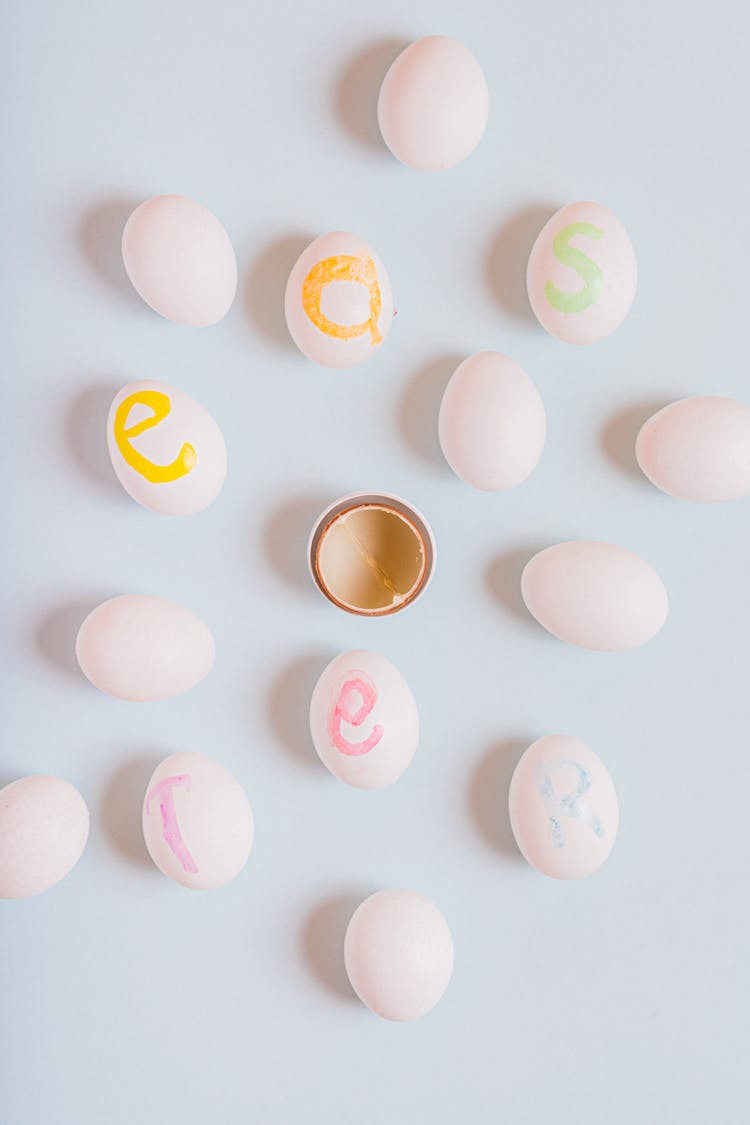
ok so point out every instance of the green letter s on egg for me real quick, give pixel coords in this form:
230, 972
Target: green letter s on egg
567, 255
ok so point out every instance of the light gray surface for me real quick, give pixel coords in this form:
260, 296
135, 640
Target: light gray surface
621, 999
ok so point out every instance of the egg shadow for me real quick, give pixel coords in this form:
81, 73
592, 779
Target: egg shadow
55, 635
86, 431
618, 436
99, 237
9, 775
288, 706
322, 943
265, 285
120, 808
503, 581
419, 408
508, 256
488, 795
285, 537
356, 89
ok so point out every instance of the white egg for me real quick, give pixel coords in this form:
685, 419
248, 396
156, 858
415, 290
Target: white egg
398, 953
582, 274
433, 104
492, 424
563, 808
44, 826
698, 449
364, 720
141, 648
197, 821
595, 595
338, 303
167, 451
180, 260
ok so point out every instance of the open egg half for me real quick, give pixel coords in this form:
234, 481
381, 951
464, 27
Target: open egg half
371, 554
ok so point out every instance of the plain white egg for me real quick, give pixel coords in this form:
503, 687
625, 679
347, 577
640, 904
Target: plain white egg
166, 449
596, 595
492, 424
44, 826
582, 274
180, 260
563, 808
142, 648
433, 104
338, 302
197, 821
698, 449
364, 720
398, 953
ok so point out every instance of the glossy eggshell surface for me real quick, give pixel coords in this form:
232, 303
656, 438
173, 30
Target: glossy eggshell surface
563, 808
179, 259
492, 424
582, 274
143, 648
338, 302
398, 953
595, 595
197, 821
44, 826
433, 104
166, 449
698, 449
364, 720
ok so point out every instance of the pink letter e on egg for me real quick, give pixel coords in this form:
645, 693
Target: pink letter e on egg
355, 684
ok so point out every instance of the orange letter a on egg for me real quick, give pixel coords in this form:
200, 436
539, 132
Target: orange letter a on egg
343, 267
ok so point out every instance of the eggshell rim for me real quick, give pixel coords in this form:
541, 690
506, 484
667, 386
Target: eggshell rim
390, 502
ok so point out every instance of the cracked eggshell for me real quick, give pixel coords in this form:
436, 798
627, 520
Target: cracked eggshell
197, 821
563, 808
364, 720
371, 554
698, 449
595, 595
492, 423
166, 449
44, 826
338, 301
141, 648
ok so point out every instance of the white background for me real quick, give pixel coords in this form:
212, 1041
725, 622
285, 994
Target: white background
125, 998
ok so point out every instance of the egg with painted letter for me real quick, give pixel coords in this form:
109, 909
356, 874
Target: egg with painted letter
364, 720
338, 302
563, 808
197, 821
582, 274
166, 449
